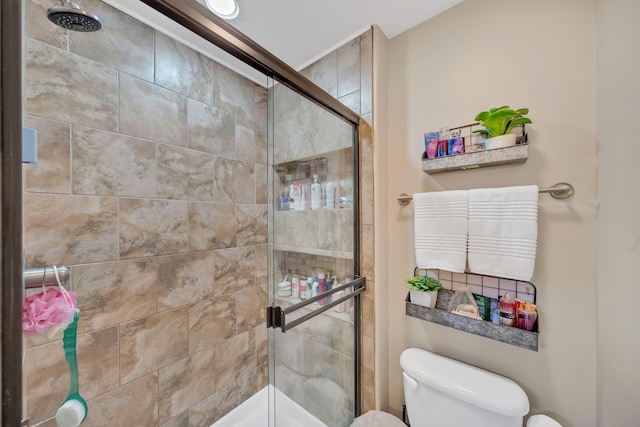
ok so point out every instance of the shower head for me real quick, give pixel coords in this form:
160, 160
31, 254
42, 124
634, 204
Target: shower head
68, 15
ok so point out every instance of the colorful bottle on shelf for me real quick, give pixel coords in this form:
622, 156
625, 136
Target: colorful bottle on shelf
328, 285
309, 292
507, 310
295, 285
303, 290
321, 287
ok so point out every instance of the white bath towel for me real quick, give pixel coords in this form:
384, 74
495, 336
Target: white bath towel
440, 229
503, 231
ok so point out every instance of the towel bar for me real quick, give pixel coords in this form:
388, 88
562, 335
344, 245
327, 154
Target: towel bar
561, 190
35, 277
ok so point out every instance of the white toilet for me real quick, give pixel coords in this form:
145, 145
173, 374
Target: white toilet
441, 392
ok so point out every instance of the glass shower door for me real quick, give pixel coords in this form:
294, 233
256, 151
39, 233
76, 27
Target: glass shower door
314, 285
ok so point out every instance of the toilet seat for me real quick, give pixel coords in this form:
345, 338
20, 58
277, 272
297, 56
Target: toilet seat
542, 421
378, 419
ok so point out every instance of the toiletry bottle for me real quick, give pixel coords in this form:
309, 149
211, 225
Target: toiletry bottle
292, 200
280, 202
507, 310
285, 201
328, 285
314, 287
303, 290
284, 287
295, 284
315, 194
330, 198
309, 287
321, 288
340, 307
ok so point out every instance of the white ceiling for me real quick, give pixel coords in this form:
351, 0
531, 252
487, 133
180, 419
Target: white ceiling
298, 32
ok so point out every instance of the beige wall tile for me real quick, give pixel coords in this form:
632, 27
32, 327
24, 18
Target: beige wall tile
184, 174
251, 143
47, 375
52, 173
182, 69
152, 112
184, 279
211, 225
211, 129
51, 422
323, 73
251, 225
186, 382
367, 252
152, 342
134, 404
212, 408
251, 303
368, 352
235, 269
366, 196
368, 317
349, 68
251, 383
366, 145
234, 358
211, 321
261, 184
302, 228
181, 420
262, 344
352, 100
39, 27
89, 90
232, 92
152, 227
124, 43
114, 292
368, 390
66, 230
262, 252
108, 164
234, 181
335, 230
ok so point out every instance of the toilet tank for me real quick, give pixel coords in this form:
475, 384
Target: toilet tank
441, 392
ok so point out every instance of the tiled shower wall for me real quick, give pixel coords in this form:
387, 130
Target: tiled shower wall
150, 185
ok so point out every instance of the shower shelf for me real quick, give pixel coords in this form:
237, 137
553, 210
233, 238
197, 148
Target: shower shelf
314, 251
506, 334
500, 156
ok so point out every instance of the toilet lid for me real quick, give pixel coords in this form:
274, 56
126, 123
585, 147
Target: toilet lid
542, 421
377, 419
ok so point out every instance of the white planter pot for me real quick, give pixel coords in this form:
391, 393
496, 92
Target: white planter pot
501, 141
425, 299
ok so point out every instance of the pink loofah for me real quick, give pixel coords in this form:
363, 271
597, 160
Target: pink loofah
48, 311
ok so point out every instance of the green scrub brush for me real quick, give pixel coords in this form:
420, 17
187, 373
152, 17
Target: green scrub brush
73, 410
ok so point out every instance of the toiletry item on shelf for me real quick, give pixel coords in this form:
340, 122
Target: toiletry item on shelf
431, 140
456, 146
495, 311
303, 289
463, 303
295, 285
309, 292
306, 195
484, 306
315, 194
284, 288
330, 202
526, 315
314, 287
321, 288
328, 285
292, 199
507, 310
280, 202
443, 143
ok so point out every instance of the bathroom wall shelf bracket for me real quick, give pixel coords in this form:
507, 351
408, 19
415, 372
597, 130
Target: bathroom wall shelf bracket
506, 334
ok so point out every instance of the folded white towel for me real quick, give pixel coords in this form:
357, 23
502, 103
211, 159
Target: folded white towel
440, 229
503, 231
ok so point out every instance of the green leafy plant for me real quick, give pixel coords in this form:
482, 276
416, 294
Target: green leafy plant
501, 121
424, 284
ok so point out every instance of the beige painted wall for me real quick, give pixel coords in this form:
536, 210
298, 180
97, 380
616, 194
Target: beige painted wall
618, 103
481, 54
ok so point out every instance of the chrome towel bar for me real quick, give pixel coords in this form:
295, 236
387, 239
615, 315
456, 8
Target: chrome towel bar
561, 190
36, 277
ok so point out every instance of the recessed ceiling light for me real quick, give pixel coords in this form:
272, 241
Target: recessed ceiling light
225, 9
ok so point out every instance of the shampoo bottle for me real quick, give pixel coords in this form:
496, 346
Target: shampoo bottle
309, 287
316, 194
330, 199
295, 285
303, 290
321, 287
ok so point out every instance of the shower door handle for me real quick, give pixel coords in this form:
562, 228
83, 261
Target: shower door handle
277, 316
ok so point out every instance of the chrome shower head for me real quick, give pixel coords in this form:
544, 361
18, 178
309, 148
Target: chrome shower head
68, 15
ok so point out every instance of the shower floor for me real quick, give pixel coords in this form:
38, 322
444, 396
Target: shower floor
254, 412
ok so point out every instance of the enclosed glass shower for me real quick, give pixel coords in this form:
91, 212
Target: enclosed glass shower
209, 224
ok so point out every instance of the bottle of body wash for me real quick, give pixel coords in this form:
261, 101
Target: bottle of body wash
316, 194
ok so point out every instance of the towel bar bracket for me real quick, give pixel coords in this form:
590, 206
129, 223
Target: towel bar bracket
562, 190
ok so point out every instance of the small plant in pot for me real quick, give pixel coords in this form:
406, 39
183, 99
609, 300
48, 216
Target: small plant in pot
423, 290
498, 123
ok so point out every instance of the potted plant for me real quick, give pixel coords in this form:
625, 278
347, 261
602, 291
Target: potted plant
423, 290
498, 123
